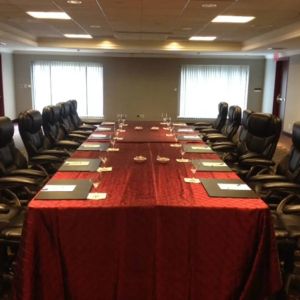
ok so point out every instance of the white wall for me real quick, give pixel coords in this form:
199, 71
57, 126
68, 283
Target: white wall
8, 85
292, 108
268, 92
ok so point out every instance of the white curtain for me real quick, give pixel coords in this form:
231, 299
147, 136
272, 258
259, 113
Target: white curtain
202, 87
54, 82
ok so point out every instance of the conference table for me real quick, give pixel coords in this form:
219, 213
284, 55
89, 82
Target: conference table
153, 237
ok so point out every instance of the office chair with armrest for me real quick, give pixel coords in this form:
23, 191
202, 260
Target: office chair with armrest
53, 130
67, 124
15, 172
273, 183
76, 120
219, 122
12, 216
226, 149
229, 129
36, 143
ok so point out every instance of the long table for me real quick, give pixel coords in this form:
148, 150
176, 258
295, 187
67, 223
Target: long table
154, 237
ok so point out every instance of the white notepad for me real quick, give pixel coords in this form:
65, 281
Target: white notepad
58, 188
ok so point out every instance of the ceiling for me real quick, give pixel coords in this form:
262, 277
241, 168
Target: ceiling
153, 26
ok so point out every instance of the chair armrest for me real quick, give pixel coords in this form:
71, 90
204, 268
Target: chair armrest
77, 136
256, 162
27, 172
56, 152
17, 181
209, 130
4, 209
67, 144
264, 178
80, 132
224, 147
249, 155
45, 159
203, 123
281, 185
217, 137
87, 127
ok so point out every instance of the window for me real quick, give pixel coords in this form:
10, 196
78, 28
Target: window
202, 87
54, 82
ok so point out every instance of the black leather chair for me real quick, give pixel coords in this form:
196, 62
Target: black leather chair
274, 183
229, 130
15, 173
219, 122
53, 130
259, 140
12, 216
67, 124
76, 120
36, 143
228, 148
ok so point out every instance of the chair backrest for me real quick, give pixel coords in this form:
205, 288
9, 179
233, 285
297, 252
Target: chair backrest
222, 116
233, 122
65, 117
74, 114
51, 124
261, 137
290, 164
11, 157
30, 128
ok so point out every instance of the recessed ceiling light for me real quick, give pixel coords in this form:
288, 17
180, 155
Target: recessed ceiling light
49, 15
233, 19
209, 5
202, 38
78, 36
95, 26
74, 2
187, 28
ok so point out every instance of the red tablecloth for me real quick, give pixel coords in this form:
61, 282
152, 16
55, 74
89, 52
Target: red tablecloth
155, 237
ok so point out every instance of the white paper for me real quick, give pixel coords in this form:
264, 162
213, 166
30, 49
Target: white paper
91, 145
213, 164
122, 130
200, 148
191, 137
112, 149
58, 188
103, 129
192, 180
99, 135
163, 123
234, 186
185, 130
175, 145
179, 124
169, 134
104, 169
182, 160
96, 196
154, 128
108, 123
77, 163
117, 138
138, 127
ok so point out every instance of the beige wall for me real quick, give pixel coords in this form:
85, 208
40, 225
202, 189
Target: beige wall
137, 85
8, 85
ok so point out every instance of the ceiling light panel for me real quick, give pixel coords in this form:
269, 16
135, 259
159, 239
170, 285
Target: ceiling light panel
49, 15
202, 38
78, 36
232, 19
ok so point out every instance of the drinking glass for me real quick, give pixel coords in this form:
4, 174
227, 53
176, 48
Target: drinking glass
96, 181
182, 152
103, 159
193, 170
112, 142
